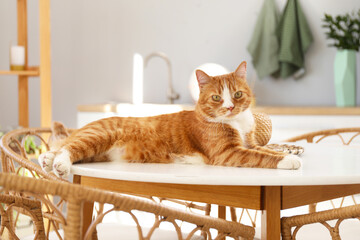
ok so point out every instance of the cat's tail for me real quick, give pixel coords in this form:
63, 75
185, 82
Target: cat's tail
59, 131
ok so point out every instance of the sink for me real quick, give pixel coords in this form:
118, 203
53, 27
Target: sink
91, 112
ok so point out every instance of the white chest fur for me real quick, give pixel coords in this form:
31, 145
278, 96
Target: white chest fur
243, 123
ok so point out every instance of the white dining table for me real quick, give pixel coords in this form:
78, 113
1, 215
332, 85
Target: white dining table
328, 171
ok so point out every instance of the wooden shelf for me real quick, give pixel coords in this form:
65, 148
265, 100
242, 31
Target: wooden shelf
32, 72
43, 71
314, 110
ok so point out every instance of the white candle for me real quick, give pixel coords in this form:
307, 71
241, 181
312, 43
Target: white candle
17, 57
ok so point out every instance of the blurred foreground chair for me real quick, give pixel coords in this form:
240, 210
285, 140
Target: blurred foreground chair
336, 215
30, 207
54, 196
345, 136
76, 195
17, 155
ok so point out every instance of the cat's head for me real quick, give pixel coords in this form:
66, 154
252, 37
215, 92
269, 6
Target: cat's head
223, 97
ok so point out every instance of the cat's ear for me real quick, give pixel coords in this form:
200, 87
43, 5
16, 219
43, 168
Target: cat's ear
241, 70
202, 78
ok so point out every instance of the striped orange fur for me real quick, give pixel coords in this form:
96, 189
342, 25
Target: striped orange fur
220, 130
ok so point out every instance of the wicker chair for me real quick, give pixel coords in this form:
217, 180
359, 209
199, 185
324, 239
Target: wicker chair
28, 206
76, 195
346, 136
322, 136
14, 159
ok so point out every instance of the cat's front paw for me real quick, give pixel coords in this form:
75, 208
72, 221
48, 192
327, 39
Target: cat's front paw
290, 162
46, 160
62, 164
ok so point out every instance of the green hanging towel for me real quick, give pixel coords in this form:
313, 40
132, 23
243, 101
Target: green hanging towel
264, 46
295, 38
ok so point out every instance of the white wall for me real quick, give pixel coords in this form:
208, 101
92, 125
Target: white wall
93, 43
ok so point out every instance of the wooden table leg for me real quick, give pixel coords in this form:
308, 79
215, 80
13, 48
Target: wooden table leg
270, 219
87, 209
87, 216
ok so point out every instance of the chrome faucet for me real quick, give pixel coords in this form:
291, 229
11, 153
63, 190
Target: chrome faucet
171, 94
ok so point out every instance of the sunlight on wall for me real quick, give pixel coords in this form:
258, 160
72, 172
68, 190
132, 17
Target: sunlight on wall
138, 79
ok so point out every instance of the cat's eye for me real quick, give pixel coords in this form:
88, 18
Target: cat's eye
238, 94
216, 98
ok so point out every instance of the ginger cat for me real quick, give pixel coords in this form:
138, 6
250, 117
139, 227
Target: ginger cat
220, 131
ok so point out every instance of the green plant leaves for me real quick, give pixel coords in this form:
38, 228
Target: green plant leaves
30, 146
344, 30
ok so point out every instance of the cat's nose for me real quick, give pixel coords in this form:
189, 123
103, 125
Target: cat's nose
230, 108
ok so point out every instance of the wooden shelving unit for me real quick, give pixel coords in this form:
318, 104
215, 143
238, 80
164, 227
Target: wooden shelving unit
43, 71
30, 73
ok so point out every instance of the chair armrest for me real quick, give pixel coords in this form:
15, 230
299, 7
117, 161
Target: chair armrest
318, 217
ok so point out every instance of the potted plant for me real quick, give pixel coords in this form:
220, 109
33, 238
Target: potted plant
344, 30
